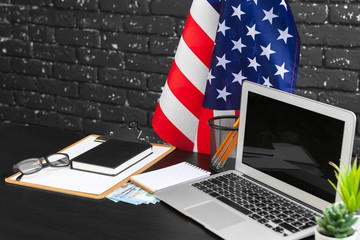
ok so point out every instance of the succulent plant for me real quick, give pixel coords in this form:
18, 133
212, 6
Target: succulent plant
337, 221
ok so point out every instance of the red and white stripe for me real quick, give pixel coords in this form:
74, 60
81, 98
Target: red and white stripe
179, 118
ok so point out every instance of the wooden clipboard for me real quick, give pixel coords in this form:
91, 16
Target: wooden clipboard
91, 195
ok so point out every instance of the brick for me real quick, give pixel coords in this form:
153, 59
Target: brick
4, 64
54, 53
171, 7
32, 2
162, 25
329, 35
344, 36
356, 147
15, 48
5, 30
5, 82
82, 108
32, 67
57, 87
102, 21
180, 27
35, 100
163, 45
126, 6
156, 82
102, 93
42, 34
310, 12
123, 78
123, 114
3, 113
52, 17
311, 56
70, 122
20, 32
96, 126
327, 78
53, 119
342, 58
6, 97
75, 72
48, 119
20, 14
345, 13
101, 58
124, 42
140, 99
89, 38
306, 93
90, 5
5, 13
23, 82
147, 63
20, 114
344, 100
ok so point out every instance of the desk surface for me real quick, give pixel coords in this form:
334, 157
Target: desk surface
27, 213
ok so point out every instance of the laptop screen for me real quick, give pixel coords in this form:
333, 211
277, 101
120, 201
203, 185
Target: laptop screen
292, 144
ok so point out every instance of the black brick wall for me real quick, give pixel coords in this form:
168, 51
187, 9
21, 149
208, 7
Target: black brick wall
88, 65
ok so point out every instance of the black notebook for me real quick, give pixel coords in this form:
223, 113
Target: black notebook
112, 157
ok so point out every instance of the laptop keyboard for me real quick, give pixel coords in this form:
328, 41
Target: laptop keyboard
268, 208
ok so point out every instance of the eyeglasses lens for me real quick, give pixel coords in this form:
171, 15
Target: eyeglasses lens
29, 166
58, 160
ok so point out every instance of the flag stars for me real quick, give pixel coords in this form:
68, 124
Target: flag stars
267, 82
284, 35
223, 93
238, 45
223, 28
269, 15
252, 32
239, 77
255, 1
253, 63
210, 76
283, 3
237, 12
281, 70
222, 61
266, 51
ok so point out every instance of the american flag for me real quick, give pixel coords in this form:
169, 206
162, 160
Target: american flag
224, 43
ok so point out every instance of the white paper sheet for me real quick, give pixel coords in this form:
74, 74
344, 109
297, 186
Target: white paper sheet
80, 181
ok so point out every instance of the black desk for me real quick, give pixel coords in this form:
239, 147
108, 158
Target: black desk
27, 213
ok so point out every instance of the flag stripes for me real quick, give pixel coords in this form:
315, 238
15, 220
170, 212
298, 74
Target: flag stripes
176, 118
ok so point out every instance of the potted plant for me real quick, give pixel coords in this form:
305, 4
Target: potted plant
339, 219
336, 223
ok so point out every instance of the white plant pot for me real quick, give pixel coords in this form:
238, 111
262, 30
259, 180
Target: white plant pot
357, 226
319, 236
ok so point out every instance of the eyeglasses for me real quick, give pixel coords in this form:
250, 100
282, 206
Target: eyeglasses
33, 165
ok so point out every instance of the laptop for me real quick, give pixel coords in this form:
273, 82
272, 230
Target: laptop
280, 182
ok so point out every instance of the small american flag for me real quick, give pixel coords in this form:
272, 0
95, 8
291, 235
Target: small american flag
223, 44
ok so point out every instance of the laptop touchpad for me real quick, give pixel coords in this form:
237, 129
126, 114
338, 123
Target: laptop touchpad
214, 215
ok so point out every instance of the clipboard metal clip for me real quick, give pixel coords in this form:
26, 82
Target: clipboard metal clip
128, 132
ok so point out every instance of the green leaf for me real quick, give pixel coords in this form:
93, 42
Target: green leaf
351, 204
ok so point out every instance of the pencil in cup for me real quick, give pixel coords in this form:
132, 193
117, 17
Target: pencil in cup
225, 149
